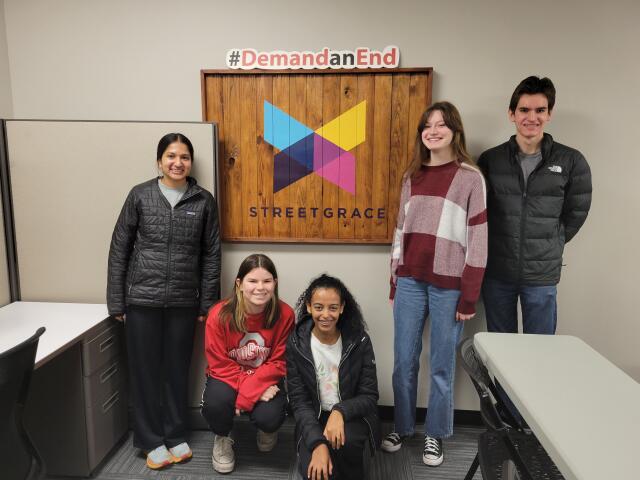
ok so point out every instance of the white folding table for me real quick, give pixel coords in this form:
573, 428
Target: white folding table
584, 410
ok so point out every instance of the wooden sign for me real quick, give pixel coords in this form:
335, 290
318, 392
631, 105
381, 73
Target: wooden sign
313, 157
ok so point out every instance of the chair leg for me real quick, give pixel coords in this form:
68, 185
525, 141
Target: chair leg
472, 468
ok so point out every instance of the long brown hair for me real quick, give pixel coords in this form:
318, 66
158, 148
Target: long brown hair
233, 310
452, 120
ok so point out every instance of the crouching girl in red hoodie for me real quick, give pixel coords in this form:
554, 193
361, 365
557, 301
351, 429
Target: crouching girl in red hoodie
245, 342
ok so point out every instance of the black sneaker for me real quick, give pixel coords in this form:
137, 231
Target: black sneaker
391, 442
433, 453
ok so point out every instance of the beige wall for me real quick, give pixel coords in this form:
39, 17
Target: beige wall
140, 60
6, 111
6, 108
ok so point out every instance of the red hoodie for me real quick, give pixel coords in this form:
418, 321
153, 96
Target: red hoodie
248, 362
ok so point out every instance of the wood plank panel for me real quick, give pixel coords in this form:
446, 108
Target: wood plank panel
364, 159
249, 208
298, 193
213, 112
381, 141
330, 194
281, 224
314, 181
417, 105
401, 134
232, 169
264, 153
347, 200
248, 157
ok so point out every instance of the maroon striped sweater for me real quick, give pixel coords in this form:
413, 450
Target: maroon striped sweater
441, 235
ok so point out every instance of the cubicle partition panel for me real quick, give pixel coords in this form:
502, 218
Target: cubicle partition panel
65, 183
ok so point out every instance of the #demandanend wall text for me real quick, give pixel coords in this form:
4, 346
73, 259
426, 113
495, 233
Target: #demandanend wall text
361, 57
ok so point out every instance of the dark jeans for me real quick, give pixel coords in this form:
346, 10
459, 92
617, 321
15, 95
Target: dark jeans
539, 314
351, 461
538, 304
219, 407
159, 346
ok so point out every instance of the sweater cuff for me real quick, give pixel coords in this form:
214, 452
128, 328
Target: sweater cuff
465, 307
243, 403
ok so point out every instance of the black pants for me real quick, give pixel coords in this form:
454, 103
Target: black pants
159, 345
351, 461
219, 408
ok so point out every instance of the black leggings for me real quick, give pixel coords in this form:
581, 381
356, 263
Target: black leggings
219, 408
351, 461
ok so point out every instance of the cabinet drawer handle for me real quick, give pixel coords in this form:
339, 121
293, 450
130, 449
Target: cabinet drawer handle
111, 401
108, 373
106, 344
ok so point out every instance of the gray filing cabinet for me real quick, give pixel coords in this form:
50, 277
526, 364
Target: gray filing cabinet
77, 409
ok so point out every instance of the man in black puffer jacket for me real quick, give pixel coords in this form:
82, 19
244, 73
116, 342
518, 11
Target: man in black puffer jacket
539, 194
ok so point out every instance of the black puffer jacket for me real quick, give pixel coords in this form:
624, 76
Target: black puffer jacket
161, 257
358, 384
529, 227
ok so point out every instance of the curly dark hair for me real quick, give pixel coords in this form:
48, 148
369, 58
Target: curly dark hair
351, 317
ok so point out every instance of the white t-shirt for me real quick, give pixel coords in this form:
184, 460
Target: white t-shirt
327, 359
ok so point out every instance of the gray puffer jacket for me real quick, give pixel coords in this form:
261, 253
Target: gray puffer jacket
163, 257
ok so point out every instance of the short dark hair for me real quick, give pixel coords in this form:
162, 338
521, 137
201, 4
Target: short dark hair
531, 86
170, 138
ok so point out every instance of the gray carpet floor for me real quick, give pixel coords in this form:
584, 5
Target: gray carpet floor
127, 463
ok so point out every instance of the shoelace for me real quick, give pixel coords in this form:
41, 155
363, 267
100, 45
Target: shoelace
224, 445
393, 437
432, 446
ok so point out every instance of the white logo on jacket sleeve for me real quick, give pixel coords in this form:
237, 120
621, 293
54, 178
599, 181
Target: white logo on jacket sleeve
555, 168
251, 351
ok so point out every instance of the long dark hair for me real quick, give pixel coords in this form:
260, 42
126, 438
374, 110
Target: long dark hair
233, 310
452, 119
351, 317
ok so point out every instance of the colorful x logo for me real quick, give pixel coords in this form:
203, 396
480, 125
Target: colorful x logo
324, 151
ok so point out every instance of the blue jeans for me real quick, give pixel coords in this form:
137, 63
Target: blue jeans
538, 304
414, 301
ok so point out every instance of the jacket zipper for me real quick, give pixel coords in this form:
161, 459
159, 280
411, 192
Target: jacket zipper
346, 354
525, 204
344, 357
524, 185
186, 196
314, 374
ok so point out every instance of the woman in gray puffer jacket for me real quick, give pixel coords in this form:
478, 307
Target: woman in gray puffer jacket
164, 273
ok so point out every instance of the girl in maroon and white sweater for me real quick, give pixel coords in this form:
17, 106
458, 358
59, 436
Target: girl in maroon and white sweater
437, 263
245, 342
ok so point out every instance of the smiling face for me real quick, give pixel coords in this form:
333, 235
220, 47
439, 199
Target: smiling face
325, 308
436, 135
530, 116
257, 289
175, 164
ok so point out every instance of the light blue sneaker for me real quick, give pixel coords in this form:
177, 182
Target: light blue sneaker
159, 458
181, 452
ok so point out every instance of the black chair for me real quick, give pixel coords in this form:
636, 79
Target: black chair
20, 458
504, 452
